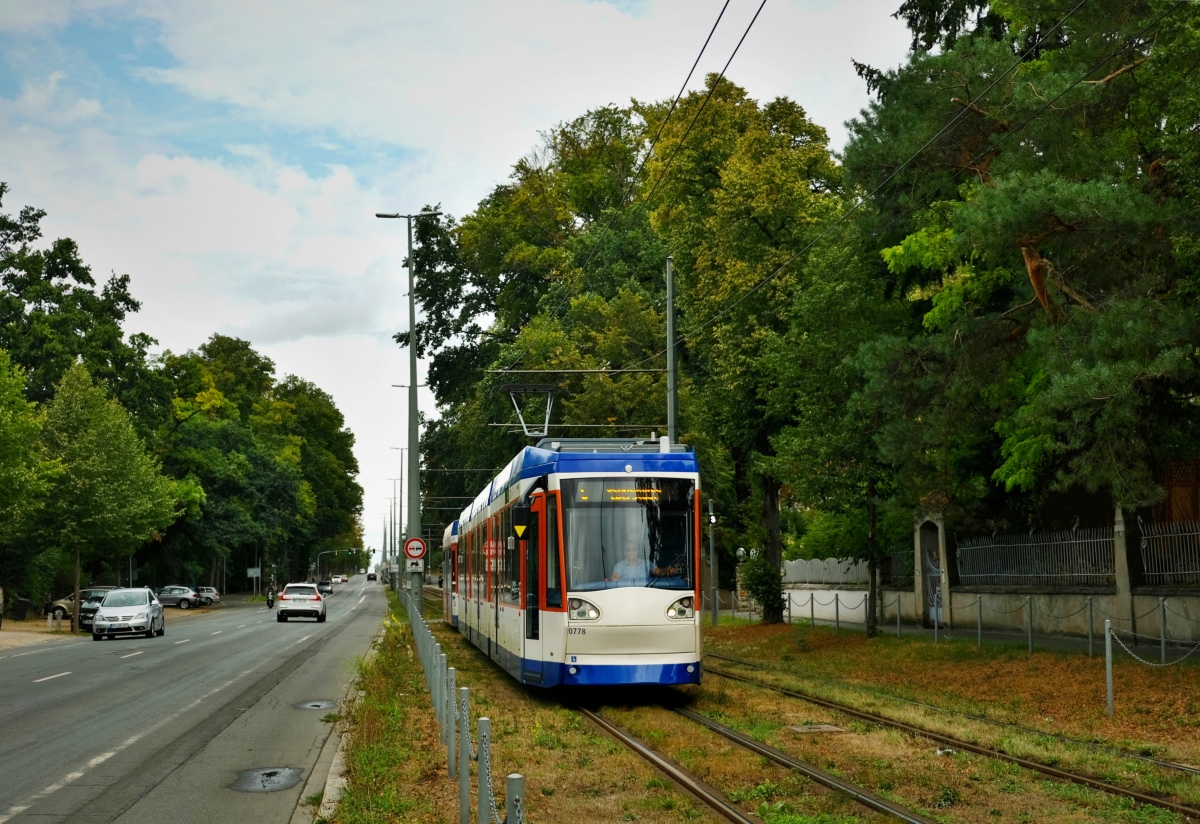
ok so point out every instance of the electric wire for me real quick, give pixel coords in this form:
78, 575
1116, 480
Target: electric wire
636, 172
641, 204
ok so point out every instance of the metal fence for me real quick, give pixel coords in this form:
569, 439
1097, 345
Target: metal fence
451, 705
902, 574
1171, 553
1067, 557
827, 571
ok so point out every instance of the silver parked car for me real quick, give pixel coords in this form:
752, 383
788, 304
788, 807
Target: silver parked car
300, 601
128, 612
182, 597
209, 595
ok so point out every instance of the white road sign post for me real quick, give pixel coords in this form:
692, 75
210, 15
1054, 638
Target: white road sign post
414, 555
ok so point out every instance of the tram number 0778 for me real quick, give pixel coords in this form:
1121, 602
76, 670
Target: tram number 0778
576, 630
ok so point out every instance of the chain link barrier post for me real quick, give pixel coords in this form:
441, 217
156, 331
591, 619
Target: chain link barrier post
514, 788
464, 755
1108, 666
1090, 625
897, 614
979, 621
1029, 621
1162, 631
837, 614
451, 722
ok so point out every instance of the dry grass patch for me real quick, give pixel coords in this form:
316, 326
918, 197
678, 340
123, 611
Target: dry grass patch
573, 773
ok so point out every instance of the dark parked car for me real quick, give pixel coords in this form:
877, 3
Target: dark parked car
177, 596
87, 609
65, 607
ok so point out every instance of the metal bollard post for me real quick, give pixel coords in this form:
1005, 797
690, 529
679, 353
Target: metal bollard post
1108, 679
515, 803
897, 615
451, 723
979, 622
464, 756
439, 698
483, 803
1029, 620
1162, 631
837, 614
789, 606
937, 615
812, 610
1089, 626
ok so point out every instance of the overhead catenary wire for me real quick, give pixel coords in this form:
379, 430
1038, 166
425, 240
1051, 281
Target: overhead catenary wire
650, 150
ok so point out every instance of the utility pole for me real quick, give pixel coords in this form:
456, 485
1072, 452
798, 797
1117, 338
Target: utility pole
672, 385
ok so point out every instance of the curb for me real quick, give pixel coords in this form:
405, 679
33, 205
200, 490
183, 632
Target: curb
332, 754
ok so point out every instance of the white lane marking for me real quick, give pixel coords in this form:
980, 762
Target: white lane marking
239, 626
130, 655
218, 632
100, 759
360, 600
50, 677
184, 641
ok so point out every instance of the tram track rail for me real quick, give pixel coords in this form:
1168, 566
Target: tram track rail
706, 794
1190, 813
716, 800
1065, 739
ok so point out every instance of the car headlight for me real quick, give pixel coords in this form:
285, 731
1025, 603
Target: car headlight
141, 616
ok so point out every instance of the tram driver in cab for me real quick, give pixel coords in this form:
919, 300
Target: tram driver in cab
634, 570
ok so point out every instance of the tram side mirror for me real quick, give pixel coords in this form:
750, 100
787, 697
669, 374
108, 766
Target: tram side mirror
520, 519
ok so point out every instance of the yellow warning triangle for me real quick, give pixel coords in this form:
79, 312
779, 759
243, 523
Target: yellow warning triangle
520, 530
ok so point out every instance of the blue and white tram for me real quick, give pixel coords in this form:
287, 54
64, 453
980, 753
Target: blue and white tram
449, 558
579, 564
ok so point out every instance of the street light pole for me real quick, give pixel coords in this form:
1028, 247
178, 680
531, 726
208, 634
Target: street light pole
414, 450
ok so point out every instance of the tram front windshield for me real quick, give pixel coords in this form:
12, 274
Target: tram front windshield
629, 532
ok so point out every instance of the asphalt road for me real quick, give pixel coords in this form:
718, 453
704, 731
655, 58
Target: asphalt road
203, 724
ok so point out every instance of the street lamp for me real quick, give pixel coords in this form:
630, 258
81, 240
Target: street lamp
414, 451
319, 554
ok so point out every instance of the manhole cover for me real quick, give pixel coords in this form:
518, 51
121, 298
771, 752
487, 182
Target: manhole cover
266, 781
317, 704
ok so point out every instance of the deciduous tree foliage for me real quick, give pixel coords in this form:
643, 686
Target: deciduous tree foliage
110, 496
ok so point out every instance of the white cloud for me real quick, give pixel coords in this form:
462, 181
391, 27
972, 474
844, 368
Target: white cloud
411, 103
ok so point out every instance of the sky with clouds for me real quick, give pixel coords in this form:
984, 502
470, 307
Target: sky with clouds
229, 155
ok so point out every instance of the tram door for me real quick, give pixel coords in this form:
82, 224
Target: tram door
535, 551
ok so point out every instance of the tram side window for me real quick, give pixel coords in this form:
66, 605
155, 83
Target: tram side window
554, 596
510, 580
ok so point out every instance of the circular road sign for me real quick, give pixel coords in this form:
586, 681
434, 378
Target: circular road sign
414, 548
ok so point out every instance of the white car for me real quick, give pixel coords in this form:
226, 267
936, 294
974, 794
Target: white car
300, 601
128, 612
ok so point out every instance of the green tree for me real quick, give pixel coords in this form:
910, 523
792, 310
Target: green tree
1046, 240
110, 496
52, 313
746, 193
26, 475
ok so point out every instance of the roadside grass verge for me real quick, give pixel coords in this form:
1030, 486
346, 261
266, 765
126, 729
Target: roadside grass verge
396, 763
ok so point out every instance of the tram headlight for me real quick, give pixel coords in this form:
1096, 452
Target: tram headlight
682, 610
580, 610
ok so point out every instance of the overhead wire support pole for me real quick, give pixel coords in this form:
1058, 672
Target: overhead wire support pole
672, 400
414, 450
